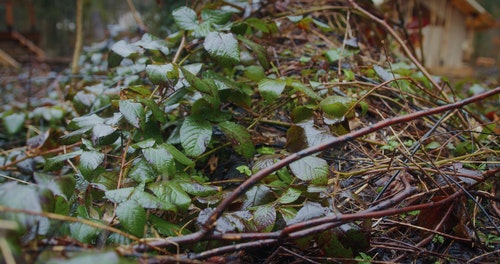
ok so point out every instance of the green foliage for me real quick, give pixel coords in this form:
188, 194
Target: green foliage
153, 145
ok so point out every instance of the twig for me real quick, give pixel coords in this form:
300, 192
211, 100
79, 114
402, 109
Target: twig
403, 46
241, 189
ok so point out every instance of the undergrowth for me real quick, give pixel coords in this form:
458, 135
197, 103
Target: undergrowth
128, 160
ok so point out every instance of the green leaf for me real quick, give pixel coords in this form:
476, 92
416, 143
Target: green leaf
197, 189
132, 216
291, 195
166, 228
311, 169
161, 74
264, 218
63, 186
146, 200
185, 18
239, 137
55, 163
89, 161
178, 155
223, 46
24, 197
133, 112
104, 134
83, 233
14, 122
259, 50
433, 145
172, 193
161, 159
219, 17
271, 89
337, 106
85, 121
142, 172
310, 210
158, 114
195, 134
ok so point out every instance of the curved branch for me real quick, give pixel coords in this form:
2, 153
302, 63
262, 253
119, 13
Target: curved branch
255, 178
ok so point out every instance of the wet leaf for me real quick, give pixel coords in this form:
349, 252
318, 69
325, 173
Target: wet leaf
133, 112
63, 186
146, 200
239, 137
311, 169
89, 161
161, 74
336, 106
195, 134
24, 197
171, 192
291, 195
197, 189
142, 172
55, 163
223, 46
271, 89
178, 155
185, 18
13, 123
219, 17
310, 210
132, 216
264, 218
161, 160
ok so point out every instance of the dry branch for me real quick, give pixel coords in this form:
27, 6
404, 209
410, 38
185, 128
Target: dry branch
209, 225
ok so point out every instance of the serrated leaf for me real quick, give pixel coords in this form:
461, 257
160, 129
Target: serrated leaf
83, 233
304, 89
146, 200
161, 74
133, 112
264, 218
166, 228
63, 186
271, 89
161, 160
291, 195
197, 189
89, 161
195, 134
132, 217
178, 155
55, 163
142, 172
259, 50
222, 46
257, 195
172, 193
124, 49
158, 114
310, 210
185, 18
85, 121
25, 197
311, 169
219, 17
104, 134
239, 137
13, 123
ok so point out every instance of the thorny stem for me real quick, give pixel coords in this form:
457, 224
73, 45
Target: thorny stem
208, 226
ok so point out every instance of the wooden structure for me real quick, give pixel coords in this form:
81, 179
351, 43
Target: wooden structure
442, 31
18, 47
